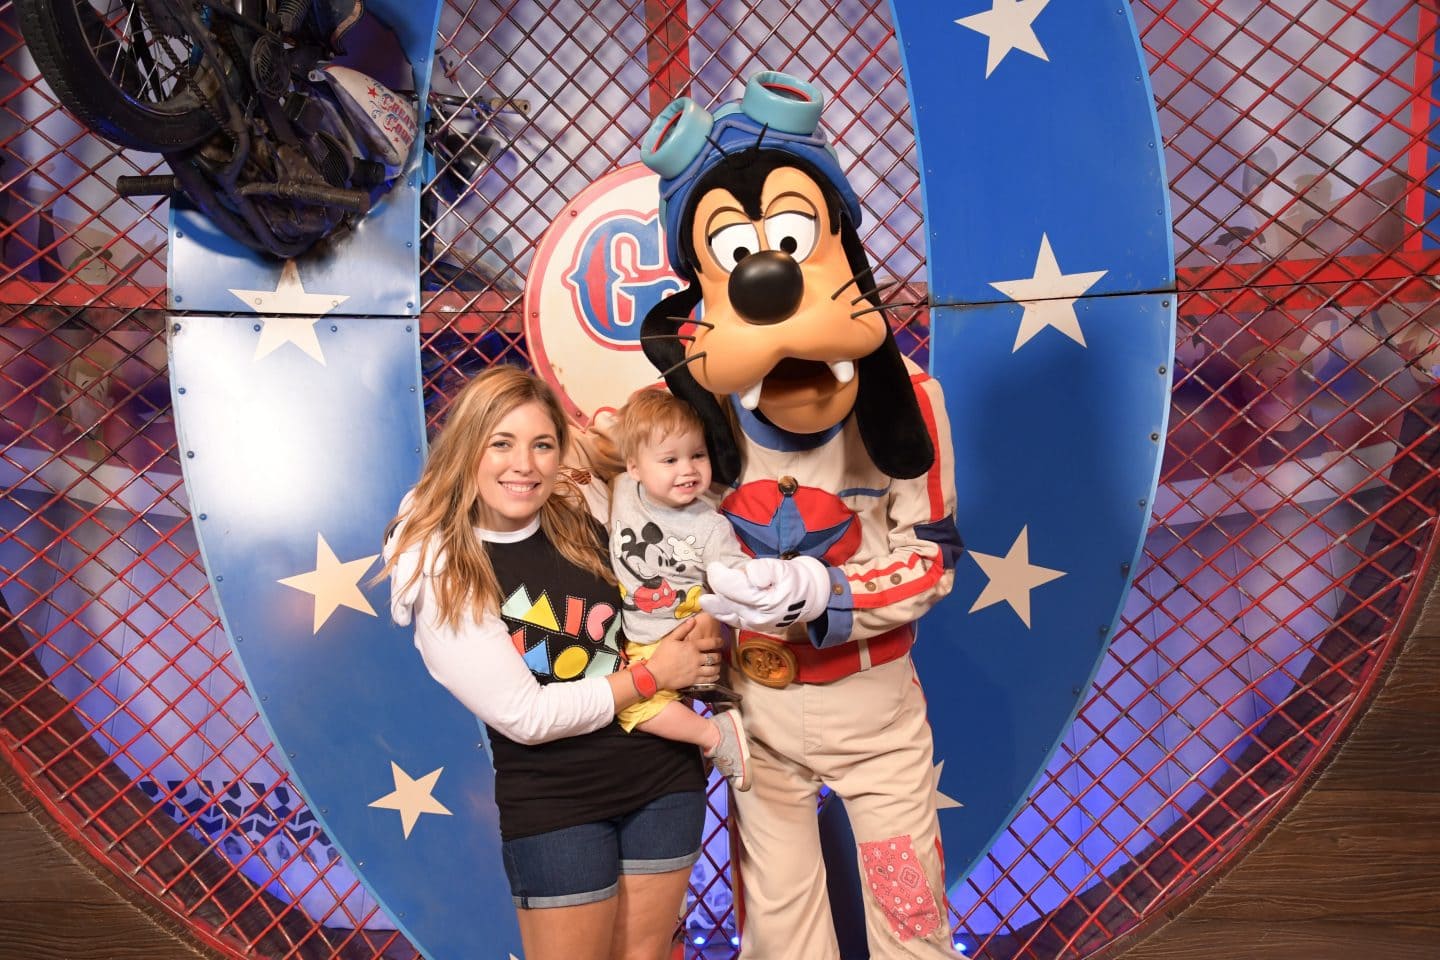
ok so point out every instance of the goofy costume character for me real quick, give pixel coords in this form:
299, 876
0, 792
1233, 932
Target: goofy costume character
832, 454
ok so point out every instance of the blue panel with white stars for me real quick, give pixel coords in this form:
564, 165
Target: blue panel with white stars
1059, 141
1051, 274
1057, 449
300, 436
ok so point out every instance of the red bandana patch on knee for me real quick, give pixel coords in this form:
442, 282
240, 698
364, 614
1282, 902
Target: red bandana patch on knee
897, 882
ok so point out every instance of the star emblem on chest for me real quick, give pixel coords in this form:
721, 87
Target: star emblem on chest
782, 519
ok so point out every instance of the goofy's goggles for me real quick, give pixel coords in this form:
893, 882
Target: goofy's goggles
778, 112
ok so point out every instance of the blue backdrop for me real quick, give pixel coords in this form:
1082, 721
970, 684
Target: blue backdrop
1051, 271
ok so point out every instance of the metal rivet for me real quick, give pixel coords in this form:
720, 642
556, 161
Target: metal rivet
1162, 369
257, 328
1141, 503
179, 235
409, 244
176, 328
358, 863
204, 516
1124, 568
334, 328
1164, 303
182, 390
264, 696
239, 639
179, 298
219, 578
412, 389
408, 328
189, 454
324, 809
417, 449
409, 304
1104, 630
1154, 436
292, 754
1075, 691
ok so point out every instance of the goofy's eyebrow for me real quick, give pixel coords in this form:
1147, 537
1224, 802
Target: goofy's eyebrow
709, 231
792, 195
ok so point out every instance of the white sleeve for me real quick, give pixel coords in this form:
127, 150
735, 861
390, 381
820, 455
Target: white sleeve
479, 665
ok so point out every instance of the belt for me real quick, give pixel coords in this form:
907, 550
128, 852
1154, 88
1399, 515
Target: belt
777, 663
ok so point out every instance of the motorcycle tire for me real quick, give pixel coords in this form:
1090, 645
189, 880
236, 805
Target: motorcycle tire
66, 38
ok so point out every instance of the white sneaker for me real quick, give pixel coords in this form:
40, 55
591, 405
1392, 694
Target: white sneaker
731, 755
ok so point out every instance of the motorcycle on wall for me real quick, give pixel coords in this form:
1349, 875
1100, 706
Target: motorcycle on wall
266, 126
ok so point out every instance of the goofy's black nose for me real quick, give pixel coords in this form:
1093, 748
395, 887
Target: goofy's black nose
766, 287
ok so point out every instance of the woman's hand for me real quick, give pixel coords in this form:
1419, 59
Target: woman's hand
689, 654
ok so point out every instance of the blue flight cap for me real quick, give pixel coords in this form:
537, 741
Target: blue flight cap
778, 112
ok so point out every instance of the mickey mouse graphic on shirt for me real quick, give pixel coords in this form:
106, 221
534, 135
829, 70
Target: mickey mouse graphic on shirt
656, 562
643, 556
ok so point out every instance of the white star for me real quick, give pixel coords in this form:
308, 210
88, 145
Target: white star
289, 297
1012, 577
1048, 297
332, 583
412, 797
278, 331
943, 802
1009, 26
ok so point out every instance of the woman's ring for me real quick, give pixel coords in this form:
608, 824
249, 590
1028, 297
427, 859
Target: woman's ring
709, 659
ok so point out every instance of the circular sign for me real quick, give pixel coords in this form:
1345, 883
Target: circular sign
600, 267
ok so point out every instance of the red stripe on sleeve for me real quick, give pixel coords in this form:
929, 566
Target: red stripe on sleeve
933, 483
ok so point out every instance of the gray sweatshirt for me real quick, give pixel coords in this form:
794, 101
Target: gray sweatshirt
659, 554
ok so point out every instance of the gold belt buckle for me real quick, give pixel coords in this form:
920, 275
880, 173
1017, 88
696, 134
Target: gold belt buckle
767, 662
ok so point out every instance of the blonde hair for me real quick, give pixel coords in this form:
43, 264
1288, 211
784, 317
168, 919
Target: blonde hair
446, 503
652, 415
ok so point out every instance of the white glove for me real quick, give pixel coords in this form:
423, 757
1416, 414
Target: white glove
767, 594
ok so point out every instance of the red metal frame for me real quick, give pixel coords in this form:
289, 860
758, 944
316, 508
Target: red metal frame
1261, 296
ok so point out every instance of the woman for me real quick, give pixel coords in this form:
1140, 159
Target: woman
504, 573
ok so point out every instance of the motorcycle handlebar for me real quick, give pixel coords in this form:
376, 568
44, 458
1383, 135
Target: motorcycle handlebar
354, 201
157, 186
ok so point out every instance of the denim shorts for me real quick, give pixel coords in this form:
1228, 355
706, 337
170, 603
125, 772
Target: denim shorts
583, 863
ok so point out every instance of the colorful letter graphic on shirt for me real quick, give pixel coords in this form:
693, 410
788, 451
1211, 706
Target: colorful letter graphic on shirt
566, 643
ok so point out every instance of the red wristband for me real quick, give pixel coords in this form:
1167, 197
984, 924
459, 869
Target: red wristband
644, 681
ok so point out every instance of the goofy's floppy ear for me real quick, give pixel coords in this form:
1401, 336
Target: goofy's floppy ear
886, 410
667, 353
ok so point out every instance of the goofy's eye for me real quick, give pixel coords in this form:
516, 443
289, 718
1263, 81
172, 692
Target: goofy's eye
729, 245
793, 232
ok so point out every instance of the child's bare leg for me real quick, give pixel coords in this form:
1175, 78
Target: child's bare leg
678, 722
